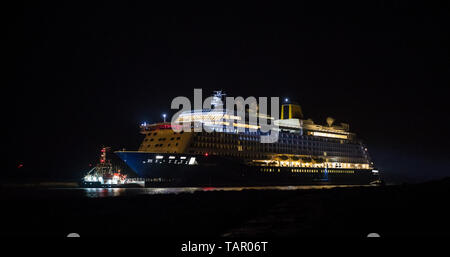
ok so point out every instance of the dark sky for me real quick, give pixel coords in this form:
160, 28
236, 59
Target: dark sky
82, 76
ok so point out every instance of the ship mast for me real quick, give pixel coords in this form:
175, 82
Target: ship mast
103, 156
217, 100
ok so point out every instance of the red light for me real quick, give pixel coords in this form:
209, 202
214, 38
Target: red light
20, 166
167, 126
206, 154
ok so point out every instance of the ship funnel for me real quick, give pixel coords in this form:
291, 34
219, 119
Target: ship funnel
291, 110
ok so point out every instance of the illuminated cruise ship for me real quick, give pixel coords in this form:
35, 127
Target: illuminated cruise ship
304, 154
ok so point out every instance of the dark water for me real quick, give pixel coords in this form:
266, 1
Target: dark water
215, 212
50, 190
115, 192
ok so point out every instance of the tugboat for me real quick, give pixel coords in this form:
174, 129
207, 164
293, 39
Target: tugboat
106, 175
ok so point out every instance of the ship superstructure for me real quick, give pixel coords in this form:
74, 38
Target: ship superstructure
232, 154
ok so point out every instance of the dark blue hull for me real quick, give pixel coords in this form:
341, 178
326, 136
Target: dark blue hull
182, 170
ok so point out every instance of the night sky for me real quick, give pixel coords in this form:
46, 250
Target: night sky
83, 76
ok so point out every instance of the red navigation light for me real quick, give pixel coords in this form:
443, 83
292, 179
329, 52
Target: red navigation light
206, 154
168, 126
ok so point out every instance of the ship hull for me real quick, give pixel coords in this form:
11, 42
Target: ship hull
182, 170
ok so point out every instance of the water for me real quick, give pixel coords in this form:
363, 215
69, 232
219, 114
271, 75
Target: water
116, 192
240, 211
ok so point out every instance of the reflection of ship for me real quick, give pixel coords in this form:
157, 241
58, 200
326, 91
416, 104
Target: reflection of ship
305, 153
105, 174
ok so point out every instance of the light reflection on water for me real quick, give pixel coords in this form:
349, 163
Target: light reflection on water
114, 192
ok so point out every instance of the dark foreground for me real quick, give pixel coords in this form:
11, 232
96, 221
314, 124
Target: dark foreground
411, 210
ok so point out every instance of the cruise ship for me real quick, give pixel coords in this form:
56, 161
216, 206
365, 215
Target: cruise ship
305, 153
